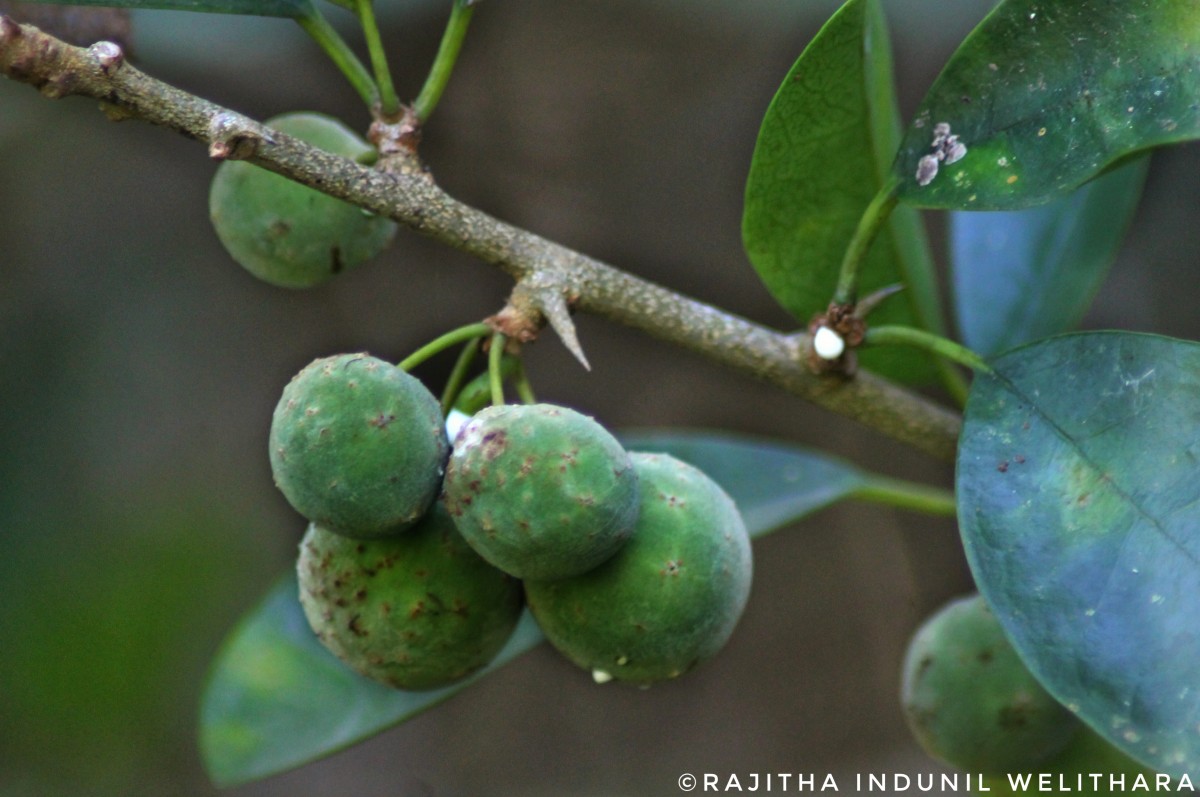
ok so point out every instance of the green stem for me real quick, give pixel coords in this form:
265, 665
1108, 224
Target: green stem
522, 384
869, 225
389, 103
919, 338
329, 40
440, 344
495, 372
907, 495
443, 63
477, 393
457, 375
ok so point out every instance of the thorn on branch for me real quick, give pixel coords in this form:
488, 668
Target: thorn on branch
536, 300
558, 313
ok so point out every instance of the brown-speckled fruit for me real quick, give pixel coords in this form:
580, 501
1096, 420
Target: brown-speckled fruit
670, 598
415, 611
540, 491
357, 445
970, 700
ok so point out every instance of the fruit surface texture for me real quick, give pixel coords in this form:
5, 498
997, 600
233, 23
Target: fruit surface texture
288, 234
415, 611
970, 700
670, 598
541, 491
357, 445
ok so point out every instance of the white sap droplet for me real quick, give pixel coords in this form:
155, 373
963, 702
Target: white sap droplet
455, 421
601, 677
828, 344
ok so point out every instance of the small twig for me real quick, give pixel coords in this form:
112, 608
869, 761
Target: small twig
406, 193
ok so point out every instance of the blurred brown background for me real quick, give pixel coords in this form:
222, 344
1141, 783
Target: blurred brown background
139, 367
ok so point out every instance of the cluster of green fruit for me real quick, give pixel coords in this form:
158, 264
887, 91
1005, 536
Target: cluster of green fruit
420, 554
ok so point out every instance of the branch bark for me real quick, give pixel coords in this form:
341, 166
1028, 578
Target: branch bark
400, 188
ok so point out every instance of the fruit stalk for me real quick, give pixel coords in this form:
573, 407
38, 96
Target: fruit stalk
495, 372
455, 336
458, 375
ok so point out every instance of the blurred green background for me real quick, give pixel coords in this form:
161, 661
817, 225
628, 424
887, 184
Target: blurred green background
139, 367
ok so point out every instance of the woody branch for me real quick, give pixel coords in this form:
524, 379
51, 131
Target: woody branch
552, 277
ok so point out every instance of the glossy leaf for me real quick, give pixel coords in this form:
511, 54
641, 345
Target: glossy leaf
263, 8
822, 154
1046, 96
1022, 275
1079, 505
277, 699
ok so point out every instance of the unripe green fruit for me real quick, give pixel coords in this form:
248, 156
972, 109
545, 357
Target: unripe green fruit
358, 446
540, 491
288, 234
667, 600
970, 700
415, 611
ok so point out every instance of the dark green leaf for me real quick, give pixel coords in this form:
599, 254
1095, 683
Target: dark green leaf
277, 699
1022, 275
823, 153
263, 8
1079, 505
1045, 96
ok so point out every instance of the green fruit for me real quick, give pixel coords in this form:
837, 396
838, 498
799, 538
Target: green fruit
288, 234
541, 491
357, 445
416, 611
970, 700
670, 598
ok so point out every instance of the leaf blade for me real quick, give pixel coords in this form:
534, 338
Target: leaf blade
821, 156
1078, 506
1047, 96
1027, 274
